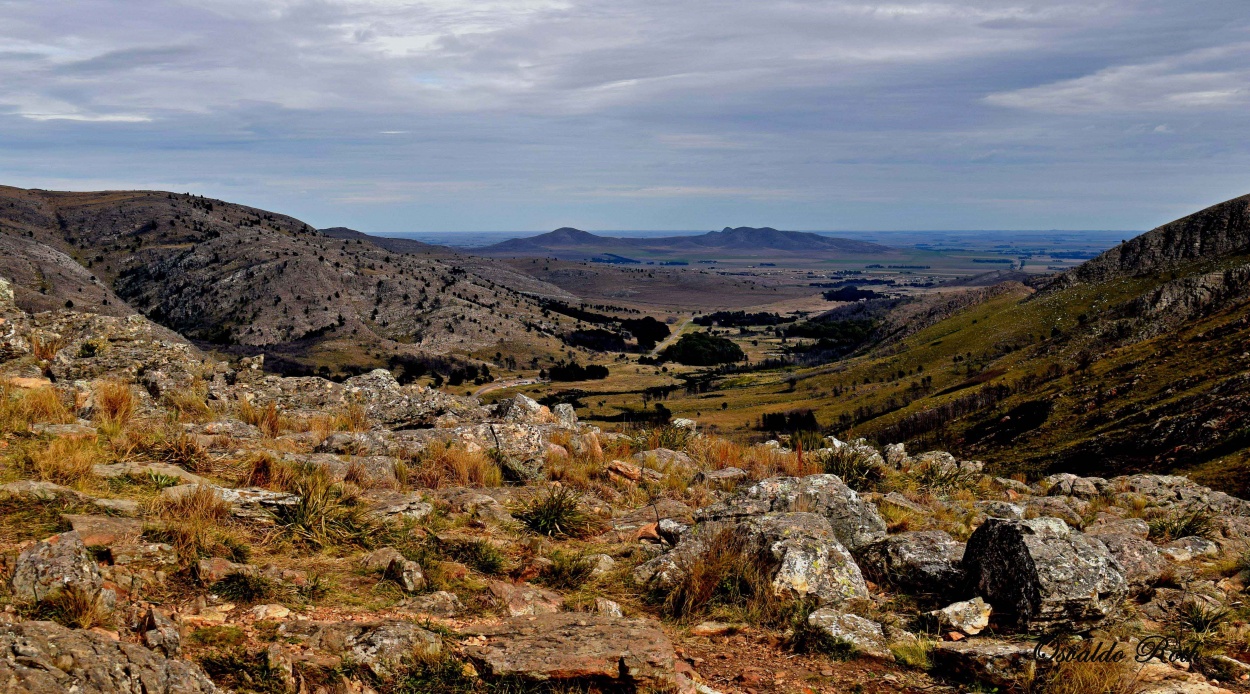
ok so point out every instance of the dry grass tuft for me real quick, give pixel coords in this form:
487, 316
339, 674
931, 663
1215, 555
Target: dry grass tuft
437, 467
196, 524
722, 576
67, 461
20, 408
45, 345
263, 469
189, 405
76, 608
268, 418
1090, 678
114, 404
185, 452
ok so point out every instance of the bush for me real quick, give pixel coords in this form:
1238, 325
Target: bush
480, 555
703, 349
557, 513
723, 575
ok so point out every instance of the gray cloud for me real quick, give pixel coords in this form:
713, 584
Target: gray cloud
506, 114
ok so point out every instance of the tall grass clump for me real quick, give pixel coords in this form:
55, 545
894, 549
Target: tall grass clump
453, 466
859, 471
76, 607
328, 514
67, 461
197, 524
724, 577
1192, 522
114, 404
558, 512
268, 418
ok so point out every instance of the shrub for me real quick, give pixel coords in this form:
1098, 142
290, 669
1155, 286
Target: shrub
702, 349
185, 452
45, 346
480, 555
939, 477
1193, 522
567, 571
557, 513
860, 471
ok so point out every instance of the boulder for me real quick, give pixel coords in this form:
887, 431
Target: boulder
864, 635
46, 658
522, 600
575, 648
725, 477
407, 574
895, 454
800, 552
854, 521
1142, 563
51, 565
1188, 549
970, 617
565, 415
440, 603
104, 531
521, 409
36, 489
1000, 509
159, 633
925, 561
1004, 664
396, 505
379, 646
1039, 575
664, 460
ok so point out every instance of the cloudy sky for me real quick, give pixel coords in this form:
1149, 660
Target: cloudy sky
391, 116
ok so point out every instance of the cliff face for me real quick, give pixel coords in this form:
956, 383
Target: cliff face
1219, 230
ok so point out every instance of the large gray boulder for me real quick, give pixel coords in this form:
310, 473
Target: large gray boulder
799, 551
855, 522
379, 646
52, 565
46, 658
924, 561
1039, 575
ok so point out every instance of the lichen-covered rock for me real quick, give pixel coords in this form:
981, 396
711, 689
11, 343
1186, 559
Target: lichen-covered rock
379, 646
46, 658
51, 565
159, 633
565, 415
855, 522
576, 648
1039, 575
799, 551
724, 477
521, 409
525, 600
968, 616
864, 635
925, 562
1003, 664
1142, 563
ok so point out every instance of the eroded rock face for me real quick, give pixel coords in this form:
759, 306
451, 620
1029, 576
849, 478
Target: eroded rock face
46, 658
573, 647
1038, 574
854, 521
998, 663
926, 562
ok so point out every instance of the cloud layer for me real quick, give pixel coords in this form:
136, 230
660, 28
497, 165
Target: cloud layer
531, 114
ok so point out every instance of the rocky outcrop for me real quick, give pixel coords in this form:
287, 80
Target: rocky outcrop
573, 648
52, 565
855, 522
46, 658
379, 646
1039, 575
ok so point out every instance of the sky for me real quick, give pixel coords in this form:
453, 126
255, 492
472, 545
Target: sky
448, 115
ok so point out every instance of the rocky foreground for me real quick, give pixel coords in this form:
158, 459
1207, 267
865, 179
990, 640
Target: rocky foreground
171, 523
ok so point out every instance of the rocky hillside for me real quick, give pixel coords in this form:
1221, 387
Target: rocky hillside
233, 276
173, 524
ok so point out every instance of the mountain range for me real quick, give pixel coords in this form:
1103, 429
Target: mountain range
570, 243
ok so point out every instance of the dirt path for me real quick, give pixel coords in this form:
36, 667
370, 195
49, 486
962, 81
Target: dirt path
499, 385
676, 333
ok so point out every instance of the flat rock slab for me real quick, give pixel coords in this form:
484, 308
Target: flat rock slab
46, 658
104, 531
574, 647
